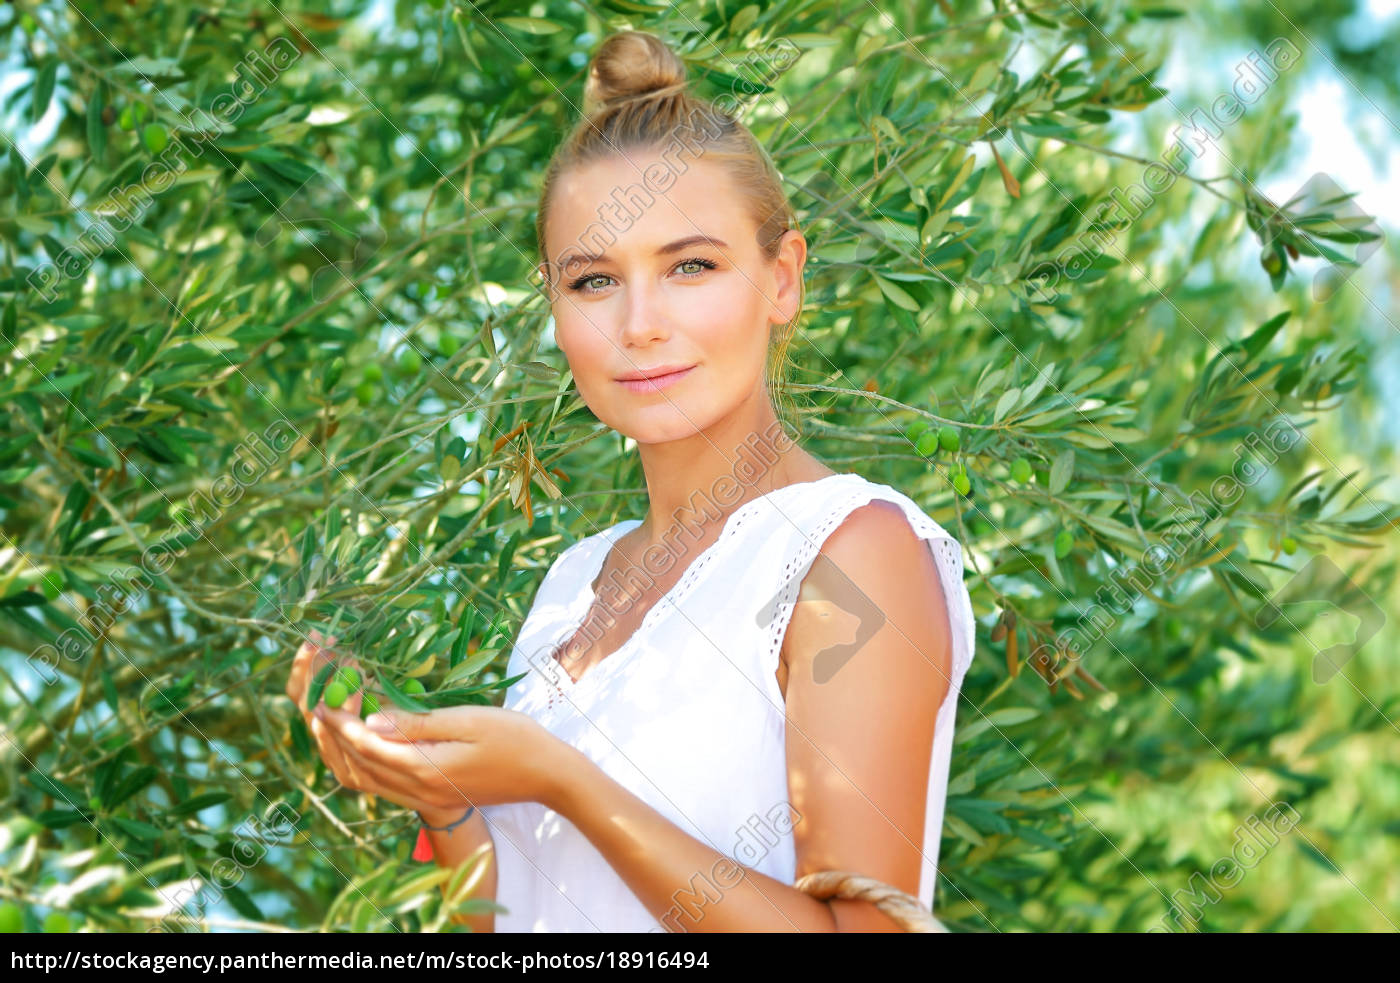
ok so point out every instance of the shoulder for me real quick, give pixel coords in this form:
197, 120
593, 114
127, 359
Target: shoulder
874, 570
883, 537
876, 549
879, 525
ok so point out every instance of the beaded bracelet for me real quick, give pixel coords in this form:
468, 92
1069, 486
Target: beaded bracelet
450, 826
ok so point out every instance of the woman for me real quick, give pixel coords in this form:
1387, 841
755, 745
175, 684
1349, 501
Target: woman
756, 681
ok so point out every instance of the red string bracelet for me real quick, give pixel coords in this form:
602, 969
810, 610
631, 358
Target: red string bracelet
423, 849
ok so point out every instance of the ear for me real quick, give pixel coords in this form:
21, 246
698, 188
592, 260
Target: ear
787, 272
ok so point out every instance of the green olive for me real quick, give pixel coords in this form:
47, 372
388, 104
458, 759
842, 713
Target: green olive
11, 918
364, 392
372, 372
414, 687
349, 677
335, 694
1021, 470
962, 483
369, 703
155, 137
1064, 542
948, 439
926, 443
1290, 545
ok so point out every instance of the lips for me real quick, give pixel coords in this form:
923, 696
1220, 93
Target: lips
656, 373
656, 382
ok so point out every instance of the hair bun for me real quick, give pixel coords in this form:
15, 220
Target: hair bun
630, 65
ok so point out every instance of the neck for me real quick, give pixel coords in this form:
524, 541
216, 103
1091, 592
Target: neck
698, 480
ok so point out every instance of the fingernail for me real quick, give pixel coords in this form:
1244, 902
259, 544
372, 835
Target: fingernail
380, 723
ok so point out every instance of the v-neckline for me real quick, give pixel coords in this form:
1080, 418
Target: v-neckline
583, 600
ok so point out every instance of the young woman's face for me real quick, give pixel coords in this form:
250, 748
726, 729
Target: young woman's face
676, 283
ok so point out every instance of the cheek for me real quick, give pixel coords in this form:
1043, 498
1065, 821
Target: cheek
586, 350
735, 325
734, 308
575, 334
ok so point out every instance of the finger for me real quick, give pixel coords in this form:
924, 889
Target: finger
316, 659
303, 653
332, 752
410, 772
444, 724
302, 667
390, 728
393, 781
352, 735
424, 784
330, 757
326, 744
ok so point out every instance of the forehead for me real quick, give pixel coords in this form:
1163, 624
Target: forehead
641, 200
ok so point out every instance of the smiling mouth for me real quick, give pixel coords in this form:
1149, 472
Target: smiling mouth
656, 382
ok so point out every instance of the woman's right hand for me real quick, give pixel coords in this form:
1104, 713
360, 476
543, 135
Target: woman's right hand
313, 654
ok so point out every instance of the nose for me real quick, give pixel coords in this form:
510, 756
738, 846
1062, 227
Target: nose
644, 317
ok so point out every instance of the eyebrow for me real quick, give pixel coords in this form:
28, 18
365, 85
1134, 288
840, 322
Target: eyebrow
670, 247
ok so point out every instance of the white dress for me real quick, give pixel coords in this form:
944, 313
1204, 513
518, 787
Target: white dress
702, 663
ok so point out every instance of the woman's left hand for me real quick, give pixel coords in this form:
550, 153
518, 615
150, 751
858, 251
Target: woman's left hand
438, 762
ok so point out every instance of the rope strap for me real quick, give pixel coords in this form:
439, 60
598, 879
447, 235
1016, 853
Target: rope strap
905, 910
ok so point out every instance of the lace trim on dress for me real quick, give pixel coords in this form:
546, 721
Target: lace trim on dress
603, 543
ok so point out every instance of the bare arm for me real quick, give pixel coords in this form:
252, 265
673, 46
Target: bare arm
687, 885
458, 846
861, 722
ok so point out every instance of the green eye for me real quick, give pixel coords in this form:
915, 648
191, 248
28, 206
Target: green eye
702, 264
590, 282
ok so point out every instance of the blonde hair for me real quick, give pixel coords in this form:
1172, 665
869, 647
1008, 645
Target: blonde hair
636, 99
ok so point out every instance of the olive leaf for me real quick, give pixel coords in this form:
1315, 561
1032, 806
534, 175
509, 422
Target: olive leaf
402, 700
318, 685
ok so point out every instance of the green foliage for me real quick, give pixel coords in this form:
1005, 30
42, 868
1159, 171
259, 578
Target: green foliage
303, 382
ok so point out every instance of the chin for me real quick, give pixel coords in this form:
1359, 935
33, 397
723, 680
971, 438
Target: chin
661, 424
